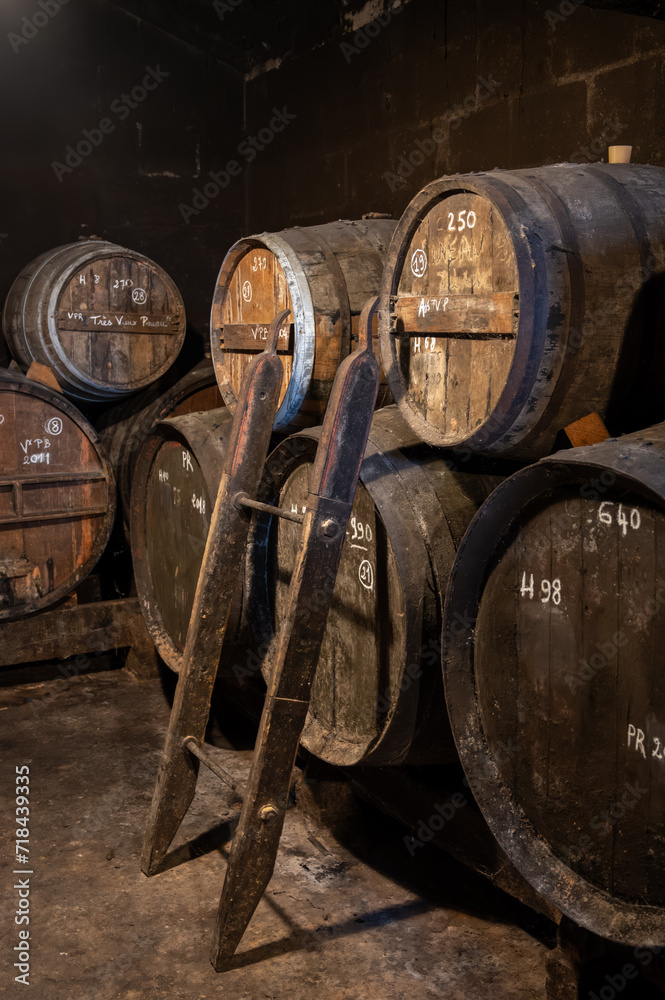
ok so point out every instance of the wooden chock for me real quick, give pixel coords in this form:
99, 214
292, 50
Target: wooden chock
586, 430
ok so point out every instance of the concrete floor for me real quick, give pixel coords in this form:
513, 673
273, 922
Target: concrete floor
351, 920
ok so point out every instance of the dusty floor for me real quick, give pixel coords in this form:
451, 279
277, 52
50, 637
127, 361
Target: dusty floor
353, 921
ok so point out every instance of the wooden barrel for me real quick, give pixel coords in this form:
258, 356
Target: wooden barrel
324, 275
377, 696
176, 479
517, 301
554, 630
125, 428
57, 496
107, 320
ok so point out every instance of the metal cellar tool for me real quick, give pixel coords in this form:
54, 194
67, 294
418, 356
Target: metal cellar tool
333, 481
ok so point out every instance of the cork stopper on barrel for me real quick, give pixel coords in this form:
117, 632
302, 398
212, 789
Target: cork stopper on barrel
619, 154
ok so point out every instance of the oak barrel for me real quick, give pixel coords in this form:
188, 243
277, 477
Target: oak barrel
377, 696
57, 496
124, 428
106, 319
324, 275
176, 479
517, 301
554, 630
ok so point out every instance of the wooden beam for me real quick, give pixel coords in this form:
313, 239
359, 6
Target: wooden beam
67, 630
644, 8
475, 316
253, 337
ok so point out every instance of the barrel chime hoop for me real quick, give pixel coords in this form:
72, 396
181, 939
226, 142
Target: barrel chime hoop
574, 266
304, 328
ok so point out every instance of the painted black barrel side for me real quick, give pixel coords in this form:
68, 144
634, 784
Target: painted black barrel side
554, 681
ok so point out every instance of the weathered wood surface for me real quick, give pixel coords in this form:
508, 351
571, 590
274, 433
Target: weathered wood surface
62, 632
324, 275
246, 452
176, 481
377, 695
250, 337
57, 496
516, 302
577, 950
554, 679
41, 373
294, 659
586, 430
123, 429
107, 320
476, 316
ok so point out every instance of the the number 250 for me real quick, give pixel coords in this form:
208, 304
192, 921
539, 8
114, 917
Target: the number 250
462, 223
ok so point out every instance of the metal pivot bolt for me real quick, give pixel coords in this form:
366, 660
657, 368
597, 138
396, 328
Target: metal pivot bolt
330, 528
267, 813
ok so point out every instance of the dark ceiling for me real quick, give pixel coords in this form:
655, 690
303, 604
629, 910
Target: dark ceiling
648, 8
245, 33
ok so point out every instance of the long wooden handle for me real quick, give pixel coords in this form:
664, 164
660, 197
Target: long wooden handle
243, 465
333, 484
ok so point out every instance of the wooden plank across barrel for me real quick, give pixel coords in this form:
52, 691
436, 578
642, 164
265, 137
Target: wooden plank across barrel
57, 496
515, 302
107, 320
125, 428
553, 635
376, 697
323, 275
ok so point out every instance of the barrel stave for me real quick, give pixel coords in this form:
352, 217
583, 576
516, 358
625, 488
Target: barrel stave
124, 428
